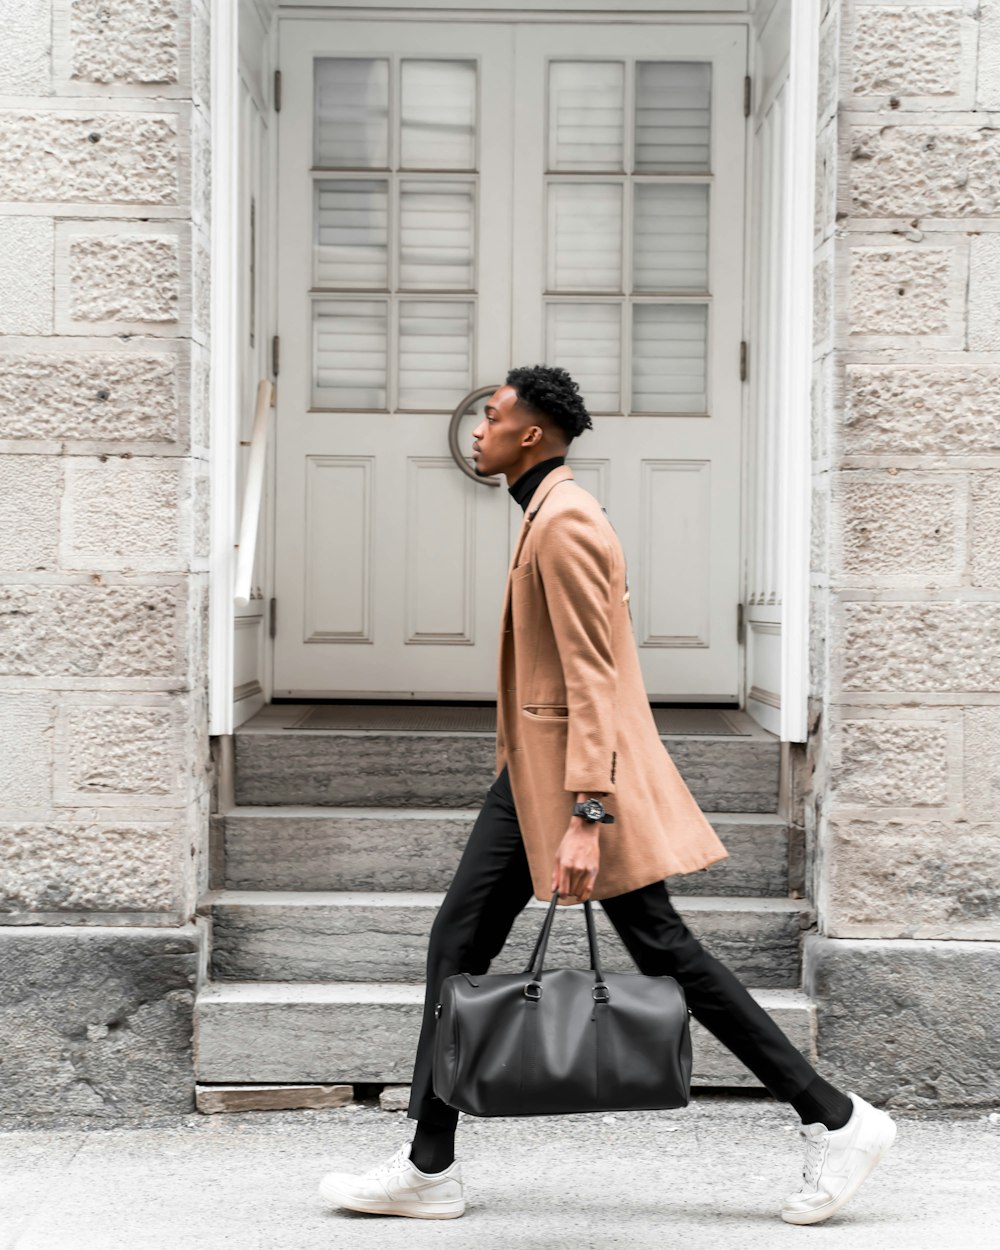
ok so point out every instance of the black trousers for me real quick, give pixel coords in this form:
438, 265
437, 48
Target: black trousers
492, 884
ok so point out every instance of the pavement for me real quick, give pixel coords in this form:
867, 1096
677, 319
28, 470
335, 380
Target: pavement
710, 1175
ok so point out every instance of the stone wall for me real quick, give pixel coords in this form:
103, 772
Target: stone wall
904, 824
104, 762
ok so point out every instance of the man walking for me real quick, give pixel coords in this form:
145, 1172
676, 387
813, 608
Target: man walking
587, 801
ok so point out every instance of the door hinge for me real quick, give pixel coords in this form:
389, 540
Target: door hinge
277, 90
739, 622
272, 618
747, 94
275, 354
743, 360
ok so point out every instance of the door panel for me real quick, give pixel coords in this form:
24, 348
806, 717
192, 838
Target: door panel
394, 303
628, 226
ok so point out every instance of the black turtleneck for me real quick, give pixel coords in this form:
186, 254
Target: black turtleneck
528, 482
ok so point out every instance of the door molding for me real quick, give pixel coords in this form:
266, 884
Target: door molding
795, 468
225, 360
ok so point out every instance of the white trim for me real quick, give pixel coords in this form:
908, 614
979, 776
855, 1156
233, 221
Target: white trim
225, 360
795, 469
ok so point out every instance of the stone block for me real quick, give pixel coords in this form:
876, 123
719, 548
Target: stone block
216, 1099
908, 51
825, 186
99, 396
828, 69
890, 763
900, 526
821, 397
119, 751
26, 274
819, 524
201, 516
124, 513
394, 1098
201, 169
909, 878
988, 77
908, 1023
200, 396
201, 49
823, 297
924, 171
918, 410
30, 489
91, 157
898, 291
819, 671
26, 47
201, 288
981, 762
124, 279
26, 731
913, 646
92, 866
984, 293
96, 1023
125, 41
984, 529
91, 631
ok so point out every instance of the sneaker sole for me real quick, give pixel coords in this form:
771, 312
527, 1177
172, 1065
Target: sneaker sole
419, 1211
823, 1213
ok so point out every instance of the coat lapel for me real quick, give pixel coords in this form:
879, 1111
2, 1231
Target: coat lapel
561, 473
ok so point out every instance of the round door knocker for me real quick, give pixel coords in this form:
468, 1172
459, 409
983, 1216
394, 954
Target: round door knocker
464, 405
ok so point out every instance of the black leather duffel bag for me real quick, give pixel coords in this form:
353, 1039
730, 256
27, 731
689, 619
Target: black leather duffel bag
562, 1040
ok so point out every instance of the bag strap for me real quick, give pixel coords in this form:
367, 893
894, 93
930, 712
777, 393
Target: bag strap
534, 965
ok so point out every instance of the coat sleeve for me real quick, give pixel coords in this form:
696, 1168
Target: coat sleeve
574, 562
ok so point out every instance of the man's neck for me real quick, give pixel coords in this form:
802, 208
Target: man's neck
527, 483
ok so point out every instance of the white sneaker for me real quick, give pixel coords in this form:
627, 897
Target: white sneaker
398, 1187
837, 1161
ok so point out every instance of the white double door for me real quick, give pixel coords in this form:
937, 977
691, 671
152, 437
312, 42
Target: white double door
457, 198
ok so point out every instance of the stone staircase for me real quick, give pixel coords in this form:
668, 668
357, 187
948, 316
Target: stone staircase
336, 855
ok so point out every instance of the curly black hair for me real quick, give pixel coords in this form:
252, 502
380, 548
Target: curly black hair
551, 392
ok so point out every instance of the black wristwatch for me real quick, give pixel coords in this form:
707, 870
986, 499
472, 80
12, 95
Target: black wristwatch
593, 810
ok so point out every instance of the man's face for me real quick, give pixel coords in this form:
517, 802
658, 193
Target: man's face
504, 436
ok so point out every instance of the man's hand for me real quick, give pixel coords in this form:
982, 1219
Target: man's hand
578, 857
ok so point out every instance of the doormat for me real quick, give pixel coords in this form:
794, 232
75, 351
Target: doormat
453, 718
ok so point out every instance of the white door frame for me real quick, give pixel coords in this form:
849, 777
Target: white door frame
795, 468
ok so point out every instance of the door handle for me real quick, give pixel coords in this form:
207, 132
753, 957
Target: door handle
463, 407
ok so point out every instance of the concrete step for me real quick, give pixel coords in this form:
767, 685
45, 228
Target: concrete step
366, 937
364, 768
418, 848
273, 1032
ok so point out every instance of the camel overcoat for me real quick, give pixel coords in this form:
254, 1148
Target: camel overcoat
572, 709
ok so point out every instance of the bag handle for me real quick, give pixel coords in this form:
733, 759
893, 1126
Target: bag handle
537, 959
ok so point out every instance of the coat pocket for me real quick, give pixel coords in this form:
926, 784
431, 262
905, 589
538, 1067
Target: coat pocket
546, 711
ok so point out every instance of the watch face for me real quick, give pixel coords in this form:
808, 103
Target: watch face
593, 809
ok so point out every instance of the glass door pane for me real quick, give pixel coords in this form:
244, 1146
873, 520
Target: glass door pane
669, 357
351, 107
587, 115
438, 128
673, 116
585, 236
670, 234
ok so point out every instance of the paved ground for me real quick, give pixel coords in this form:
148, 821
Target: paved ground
709, 1175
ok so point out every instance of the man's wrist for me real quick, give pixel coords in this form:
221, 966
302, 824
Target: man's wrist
583, 795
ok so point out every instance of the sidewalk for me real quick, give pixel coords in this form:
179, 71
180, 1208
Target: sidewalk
711, 1175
